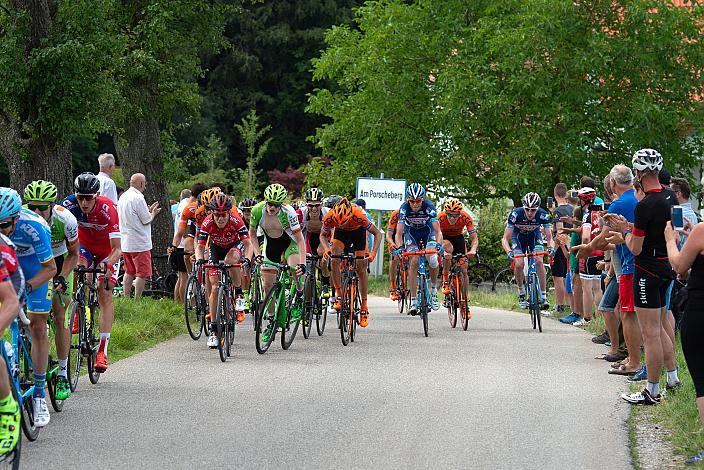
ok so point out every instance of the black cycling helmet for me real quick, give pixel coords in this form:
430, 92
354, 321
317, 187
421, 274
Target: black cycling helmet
86, 183
331, 200
247, 203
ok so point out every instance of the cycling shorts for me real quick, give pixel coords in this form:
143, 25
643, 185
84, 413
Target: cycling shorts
351, 240
524, 242
649, 290
219, 253
93, 259
191, 232
413, 239
39, 300
459, 244
278, 250
559, 264
312, 242
588, 270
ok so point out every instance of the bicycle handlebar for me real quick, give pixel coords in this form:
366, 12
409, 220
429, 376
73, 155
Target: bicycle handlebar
430, 251
533, 255
348, 257
83, 269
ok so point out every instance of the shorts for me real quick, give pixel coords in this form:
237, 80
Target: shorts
312, 242
93, 259
625, 293
191, 230
177, 260
39, 300
413, 239
649, 290
459, 245
138, 264
668, 295
522, 243
559, 264
351, 240
568, 282
219, 253
59, 260
278, 250
610, 297
588, 270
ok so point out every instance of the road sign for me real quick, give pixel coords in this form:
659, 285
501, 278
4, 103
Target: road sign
381, 194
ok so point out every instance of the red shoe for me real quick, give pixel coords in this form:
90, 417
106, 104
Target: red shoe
240, 317
394, 295
364, 319
74, 330
101, 362
445, 288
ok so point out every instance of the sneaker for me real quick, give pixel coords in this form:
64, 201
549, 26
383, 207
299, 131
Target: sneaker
213, 340
640, 376
641, 398
74, 329
545, 306
673, 387
394, 295
445, 288
413, 307
522, 302
364, 319
240, 305
240, 316
695, 459
9, 430
101, 362
569, 319
63, 389
601, 339
582, 322
434, 301
41, 412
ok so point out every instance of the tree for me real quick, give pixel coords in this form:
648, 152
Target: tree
292, 179
55, 70
251, 134
495, 98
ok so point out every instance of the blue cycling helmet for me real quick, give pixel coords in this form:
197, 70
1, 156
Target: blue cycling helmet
10, 203
415, 191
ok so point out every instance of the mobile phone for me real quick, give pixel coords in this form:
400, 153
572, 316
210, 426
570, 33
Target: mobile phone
596, 207
677, 217
607, 205
573, 194
549, 202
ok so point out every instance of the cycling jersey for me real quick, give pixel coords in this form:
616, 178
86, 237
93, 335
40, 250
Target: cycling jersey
356, 221
12, 264
393, 222
416, 220
232, 233
97, 228
32, 237
650, 216
287, 217
64, 230
188, 214
304, 216
522, 225
464, 220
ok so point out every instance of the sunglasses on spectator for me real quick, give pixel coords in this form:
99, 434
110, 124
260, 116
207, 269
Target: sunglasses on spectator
6, 224
41, 207
415, 201
85, 197
314, 206
273, 204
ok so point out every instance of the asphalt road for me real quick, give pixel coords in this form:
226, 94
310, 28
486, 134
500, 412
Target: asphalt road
498, 396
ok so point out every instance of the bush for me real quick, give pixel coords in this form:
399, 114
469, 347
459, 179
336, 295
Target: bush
491, 222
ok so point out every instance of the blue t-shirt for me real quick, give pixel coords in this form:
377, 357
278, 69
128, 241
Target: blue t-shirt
625, 206
32, 237
416, 220
522, 225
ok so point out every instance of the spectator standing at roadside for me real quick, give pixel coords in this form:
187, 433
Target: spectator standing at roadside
135, 225
680, 187
177, 258
560, 263
107, 185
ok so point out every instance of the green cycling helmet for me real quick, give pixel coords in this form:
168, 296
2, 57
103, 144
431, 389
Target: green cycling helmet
41, 191
275, 193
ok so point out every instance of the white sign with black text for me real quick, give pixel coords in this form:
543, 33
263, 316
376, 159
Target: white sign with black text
381, 194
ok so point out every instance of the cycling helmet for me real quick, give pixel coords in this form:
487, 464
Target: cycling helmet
208, 195
415, 191
41, 191
453, 205
647, 160
313, 194
331, 200
275, 193
220, 202
343, 211
10, 203
531, 201
247, 203
86, 183
586, 195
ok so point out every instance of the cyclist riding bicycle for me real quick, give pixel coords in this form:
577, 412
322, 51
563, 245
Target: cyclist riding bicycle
245, 206
228, 240
528, 228
454, 222
394, 262
345, 229
418, 224
186, 224
310, 216
41, 199
9, 408
283, 239
99, 240
32, 238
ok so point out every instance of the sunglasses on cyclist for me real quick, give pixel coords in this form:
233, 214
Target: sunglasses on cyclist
273, 204
41, 207
313, 206
530, 209
85, 197
453, 214
6, 224
415, 201
221, 215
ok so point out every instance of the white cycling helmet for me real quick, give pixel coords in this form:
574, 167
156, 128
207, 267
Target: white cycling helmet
531, 201
647, 160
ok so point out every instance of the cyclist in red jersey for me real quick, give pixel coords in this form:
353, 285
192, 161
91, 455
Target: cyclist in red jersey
99, 239
228, 240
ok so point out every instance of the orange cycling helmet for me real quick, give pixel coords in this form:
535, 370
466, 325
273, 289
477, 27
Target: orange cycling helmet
453, 205
343, 211
208, 195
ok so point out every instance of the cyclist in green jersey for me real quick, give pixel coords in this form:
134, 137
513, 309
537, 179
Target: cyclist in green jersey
283, 239
40, 197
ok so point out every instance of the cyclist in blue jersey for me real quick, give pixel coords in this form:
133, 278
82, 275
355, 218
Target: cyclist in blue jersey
32, 237
418, 225
528, 229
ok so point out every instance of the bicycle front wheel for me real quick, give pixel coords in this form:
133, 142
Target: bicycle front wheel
266, 319
451, 302
191, 307
294, 310
538, 302
310, 304
346, 316
26, 380
221, 329
51, 379
75, 357
534, 298
424, 304
322, 314
93, 343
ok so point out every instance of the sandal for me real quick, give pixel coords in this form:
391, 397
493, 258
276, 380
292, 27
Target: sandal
623, 371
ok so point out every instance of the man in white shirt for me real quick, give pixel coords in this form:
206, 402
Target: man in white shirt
107, 185
135, 226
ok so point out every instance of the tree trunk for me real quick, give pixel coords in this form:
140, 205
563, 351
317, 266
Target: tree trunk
140, 151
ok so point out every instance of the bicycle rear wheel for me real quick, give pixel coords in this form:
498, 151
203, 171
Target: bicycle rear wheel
481, 275
191, 307
451, 302
310, 304
294, 310
322, 315
26, 379
221, 329
463, 302
12, 459
94, 344
51, 379
346, 315
75, 356
266, 319
400, 291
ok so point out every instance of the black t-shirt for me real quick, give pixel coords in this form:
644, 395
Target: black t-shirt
563, 210
651, 215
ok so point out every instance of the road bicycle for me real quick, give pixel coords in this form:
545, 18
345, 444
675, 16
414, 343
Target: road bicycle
479, 274
533, 288
315, 303
281, 308
457, 300
404, 295
423, 292
195, 303
225, 312
351, 301
84, 311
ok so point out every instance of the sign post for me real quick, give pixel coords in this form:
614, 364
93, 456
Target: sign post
381, 194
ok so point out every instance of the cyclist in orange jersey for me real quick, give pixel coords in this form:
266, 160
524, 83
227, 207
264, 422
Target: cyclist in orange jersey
454, 221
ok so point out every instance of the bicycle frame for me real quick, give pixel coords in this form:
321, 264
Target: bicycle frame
19, 339
283, 277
